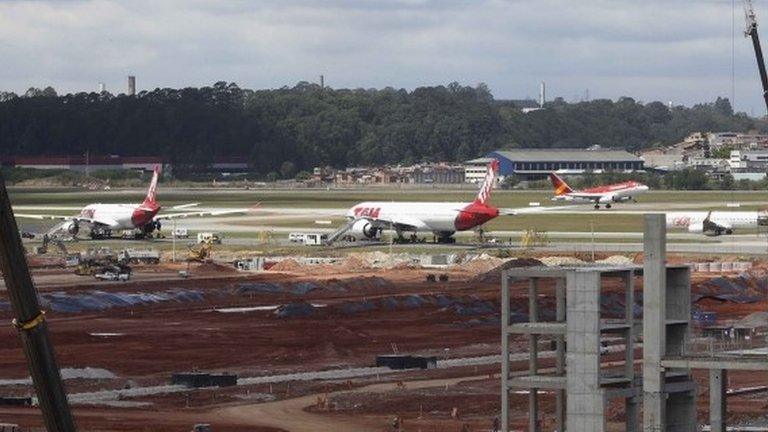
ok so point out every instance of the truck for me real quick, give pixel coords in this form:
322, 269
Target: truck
209, 237
315, 239
181, 233
116, 272
136, 256
131, 234
310, 239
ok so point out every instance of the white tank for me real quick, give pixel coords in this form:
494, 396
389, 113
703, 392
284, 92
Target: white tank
715, 267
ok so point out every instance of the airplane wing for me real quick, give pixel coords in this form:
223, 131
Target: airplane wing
61, 218
200, 214
536, 209
405, 223
589, 196
184, 206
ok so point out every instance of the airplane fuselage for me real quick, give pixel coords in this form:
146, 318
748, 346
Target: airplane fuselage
605, 194
728, 220
120, 216
436, 217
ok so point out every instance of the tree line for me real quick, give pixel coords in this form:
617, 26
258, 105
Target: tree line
307, 126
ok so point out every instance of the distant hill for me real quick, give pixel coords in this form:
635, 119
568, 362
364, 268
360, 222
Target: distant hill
311, 126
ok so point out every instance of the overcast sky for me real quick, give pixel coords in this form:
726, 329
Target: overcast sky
668, 50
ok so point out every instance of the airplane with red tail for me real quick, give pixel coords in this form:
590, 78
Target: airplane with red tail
608, 194
367, 219
104, 219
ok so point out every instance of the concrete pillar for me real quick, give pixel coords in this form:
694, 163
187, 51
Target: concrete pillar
560, 316
718, 379
533, 355
586, 399
654, 322
631, 409
504, 352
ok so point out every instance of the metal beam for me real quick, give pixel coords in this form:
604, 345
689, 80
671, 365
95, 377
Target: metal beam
30, 321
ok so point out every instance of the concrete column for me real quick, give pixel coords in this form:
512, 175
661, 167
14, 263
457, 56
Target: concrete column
654, 322
504, 352
718, 379
560, 395
586, 399
631, 409
533, 355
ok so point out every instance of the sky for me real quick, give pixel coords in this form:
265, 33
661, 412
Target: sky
677, 51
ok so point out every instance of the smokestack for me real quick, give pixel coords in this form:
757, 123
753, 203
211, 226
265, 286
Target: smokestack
542, 94
102, 87
322, 82
131, 85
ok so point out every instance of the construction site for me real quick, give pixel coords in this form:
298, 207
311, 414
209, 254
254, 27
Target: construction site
376, 341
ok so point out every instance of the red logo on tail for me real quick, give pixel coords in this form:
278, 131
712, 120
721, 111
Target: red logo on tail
490, 178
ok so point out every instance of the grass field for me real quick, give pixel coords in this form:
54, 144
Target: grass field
321, 198
602, 221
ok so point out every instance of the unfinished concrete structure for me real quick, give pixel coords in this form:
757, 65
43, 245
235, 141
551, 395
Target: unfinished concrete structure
583, 388
669, 394
580, 325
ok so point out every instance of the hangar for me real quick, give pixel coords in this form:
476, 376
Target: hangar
536, 164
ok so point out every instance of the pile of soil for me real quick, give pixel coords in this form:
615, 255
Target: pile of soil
287, 265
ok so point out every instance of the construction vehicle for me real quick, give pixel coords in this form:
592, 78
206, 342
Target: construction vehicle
86, 268
93, 260
114, 272
136, 256
209, 237
47, 240
200, 253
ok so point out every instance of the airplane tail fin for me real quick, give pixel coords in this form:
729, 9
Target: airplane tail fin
151, 197
490, 178
561, 187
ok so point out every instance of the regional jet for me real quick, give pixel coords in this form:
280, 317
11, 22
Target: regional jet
608, 194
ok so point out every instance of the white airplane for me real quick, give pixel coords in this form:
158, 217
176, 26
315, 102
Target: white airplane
103, 219
605, 194
443, 219
715, 223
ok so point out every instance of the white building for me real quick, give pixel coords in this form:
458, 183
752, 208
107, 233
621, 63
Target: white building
749, 160
475, 169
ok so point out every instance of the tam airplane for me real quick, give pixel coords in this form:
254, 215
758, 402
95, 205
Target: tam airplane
443, 219
607, 194
103, 219
715, 223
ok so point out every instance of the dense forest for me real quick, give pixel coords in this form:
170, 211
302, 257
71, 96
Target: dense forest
313, 126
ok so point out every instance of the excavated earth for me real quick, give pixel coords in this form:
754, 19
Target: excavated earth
136, 334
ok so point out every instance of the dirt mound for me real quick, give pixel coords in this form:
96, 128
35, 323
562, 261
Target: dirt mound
287, 265
617, 260
214, 267
755, 320
745, 288
494, 275
553, 261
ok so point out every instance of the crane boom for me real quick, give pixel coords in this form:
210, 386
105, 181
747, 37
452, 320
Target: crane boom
751, 32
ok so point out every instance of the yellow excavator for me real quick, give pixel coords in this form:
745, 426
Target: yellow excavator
201, 253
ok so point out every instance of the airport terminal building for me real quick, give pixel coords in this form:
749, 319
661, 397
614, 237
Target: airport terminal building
536, 164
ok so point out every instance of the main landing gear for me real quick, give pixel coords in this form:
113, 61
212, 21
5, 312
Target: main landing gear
597, 206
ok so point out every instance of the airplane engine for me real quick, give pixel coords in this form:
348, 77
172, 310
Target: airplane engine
363, 230
606, 199
622, 198
73, 228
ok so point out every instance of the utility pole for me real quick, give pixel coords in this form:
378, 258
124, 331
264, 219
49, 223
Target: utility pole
751, 31
31, 324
